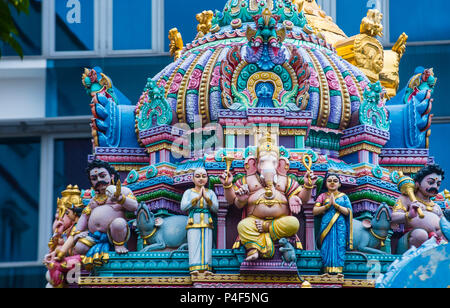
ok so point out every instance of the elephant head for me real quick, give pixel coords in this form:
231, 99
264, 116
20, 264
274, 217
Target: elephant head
268, 165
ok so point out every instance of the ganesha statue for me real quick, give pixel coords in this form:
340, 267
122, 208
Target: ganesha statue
60, 259
269, 197
416, 208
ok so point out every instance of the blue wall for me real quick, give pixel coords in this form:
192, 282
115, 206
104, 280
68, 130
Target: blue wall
421, 20
440, 149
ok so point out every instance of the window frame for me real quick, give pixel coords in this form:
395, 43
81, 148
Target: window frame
103, 33
47, 168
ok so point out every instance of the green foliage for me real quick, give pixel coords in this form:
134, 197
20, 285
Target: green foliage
8, 30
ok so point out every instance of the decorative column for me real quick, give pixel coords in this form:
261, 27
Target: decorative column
221, 217
310, 240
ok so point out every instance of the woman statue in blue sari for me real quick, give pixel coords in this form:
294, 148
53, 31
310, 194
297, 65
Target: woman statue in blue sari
336, 234
200, 203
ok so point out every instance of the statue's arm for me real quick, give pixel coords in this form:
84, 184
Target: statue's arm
345, 207
82, 224
320, 208
214, 202
130, 204
305, 195
187, 202
400, 211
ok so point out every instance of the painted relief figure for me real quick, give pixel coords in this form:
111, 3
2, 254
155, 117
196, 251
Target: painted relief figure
200, 203
336, 231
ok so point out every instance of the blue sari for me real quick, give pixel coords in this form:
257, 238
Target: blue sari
336, 235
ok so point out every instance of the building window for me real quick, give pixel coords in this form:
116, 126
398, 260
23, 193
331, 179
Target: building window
74, 25
29, 27
71, 157
104, 27
132, 25
19, 199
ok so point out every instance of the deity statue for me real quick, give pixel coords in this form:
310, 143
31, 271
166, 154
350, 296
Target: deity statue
176, 43
102, 222
336, 230
200, 203
270, 197
416, 209
60, 259
204, 23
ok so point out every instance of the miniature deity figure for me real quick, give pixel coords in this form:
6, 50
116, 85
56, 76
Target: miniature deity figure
102, 222
200, 203
204, 23
270, 198
416, 209
60, 259
336, 226
176, 43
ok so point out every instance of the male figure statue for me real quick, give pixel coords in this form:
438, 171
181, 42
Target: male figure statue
103, 220
417, 211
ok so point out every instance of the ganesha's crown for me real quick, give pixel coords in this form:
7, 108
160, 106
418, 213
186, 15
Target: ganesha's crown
266, 144
71, 199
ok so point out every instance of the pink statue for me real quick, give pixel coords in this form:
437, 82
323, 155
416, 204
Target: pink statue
270, 197
416, 209
60, 259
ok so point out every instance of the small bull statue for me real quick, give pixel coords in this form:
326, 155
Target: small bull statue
370, 235
161, 233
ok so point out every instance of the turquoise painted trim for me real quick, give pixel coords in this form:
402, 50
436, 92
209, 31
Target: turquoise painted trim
227, 261
300, 142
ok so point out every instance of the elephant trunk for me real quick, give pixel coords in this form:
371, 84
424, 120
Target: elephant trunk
269, 177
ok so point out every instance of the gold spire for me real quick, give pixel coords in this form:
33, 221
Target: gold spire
176, 43
322, 24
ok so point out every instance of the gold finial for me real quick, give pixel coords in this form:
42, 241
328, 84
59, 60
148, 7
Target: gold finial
371, 24
299, 4
176, 43
306, 285
266, 14
204, 23
229, 161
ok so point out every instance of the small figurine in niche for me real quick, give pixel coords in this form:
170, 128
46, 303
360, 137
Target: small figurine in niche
200, 203
336, 234
103, 220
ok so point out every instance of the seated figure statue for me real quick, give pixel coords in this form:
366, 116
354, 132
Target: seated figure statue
270, 197
416, 208
102, 223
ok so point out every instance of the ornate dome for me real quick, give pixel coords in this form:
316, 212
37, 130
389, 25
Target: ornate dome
263, 53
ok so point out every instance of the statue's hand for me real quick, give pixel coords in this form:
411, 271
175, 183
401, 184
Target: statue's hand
226, 178
261, 227
242, 193
413, 210
310, 177
49, 257
81, 235
295, 204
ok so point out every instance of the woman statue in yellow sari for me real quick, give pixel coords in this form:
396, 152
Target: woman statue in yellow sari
336, 226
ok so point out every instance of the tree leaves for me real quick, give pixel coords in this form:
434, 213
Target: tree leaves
8, 30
